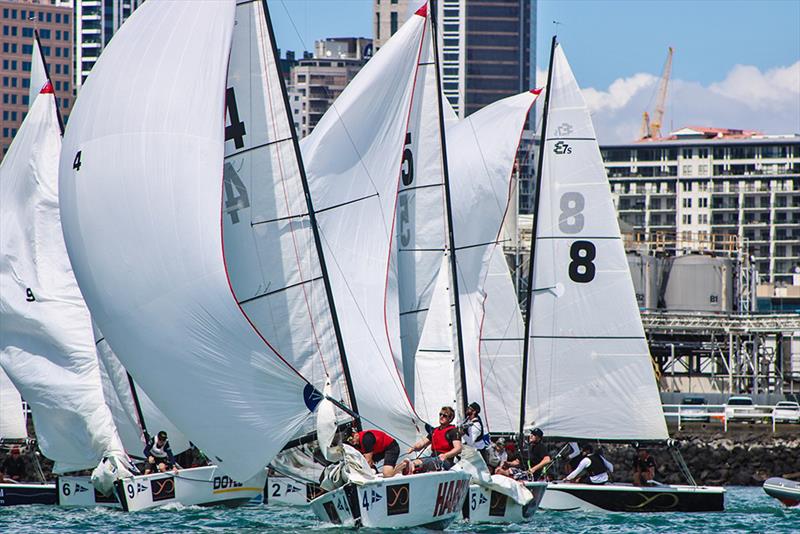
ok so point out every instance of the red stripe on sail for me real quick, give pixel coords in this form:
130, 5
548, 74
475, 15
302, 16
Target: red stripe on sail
422, 11
47, 89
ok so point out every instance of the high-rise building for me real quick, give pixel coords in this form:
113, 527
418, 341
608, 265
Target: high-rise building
702, 187
96, 21
389, 16
19, 20
317, 81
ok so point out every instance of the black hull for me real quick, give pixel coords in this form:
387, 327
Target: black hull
633, 499
20, 494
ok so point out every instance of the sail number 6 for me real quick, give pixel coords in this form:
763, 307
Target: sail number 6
582, 253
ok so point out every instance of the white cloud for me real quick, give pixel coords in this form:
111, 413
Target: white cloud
746, 99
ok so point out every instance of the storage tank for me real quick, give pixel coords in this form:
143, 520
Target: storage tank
647, 272
700, 283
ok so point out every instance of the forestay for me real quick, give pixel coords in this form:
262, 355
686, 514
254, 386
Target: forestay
141, 187
590, 374
46, 344
353, 162
420, 226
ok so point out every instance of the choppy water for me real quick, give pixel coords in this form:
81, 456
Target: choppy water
748, 510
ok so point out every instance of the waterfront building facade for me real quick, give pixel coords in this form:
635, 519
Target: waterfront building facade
19, 20
700, 187
389, 15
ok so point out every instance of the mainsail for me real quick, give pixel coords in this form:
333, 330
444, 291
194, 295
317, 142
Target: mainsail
46, 341
142, 178
590, 374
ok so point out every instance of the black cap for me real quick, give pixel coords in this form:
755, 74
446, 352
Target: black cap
475, 406
537, 432
588, 448
162, 434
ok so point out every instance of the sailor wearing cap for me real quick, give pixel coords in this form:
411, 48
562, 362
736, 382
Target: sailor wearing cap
474, 432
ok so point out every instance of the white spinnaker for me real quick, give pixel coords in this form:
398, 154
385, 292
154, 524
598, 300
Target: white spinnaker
481, 163
421, 232
353, 161
38, 73
46, 344
141, 188
270, 251
119, 397
590, 373
12, 417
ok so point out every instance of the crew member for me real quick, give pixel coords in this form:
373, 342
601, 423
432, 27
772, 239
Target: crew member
159, 455
14, 466
376, 446
538, 456
592, 469
644, 467
497, 454
445, 442
473, 431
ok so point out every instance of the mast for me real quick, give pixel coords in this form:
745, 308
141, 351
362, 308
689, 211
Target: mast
537, 193
136, 403
47, 75
450, 234
313, 219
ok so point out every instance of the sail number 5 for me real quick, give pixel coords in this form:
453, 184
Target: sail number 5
582, 253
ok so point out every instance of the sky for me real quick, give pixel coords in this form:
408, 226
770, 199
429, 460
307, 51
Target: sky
736, 62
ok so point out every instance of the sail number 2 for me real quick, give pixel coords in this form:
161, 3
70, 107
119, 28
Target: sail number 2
582, 253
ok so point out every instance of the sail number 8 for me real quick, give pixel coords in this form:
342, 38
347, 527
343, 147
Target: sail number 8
582, 253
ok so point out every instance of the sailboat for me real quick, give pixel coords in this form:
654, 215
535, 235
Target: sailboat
229, 295
588, 370
47, 349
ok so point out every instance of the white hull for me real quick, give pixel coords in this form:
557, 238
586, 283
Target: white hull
628, 498
487, 506
289, 492
430, 500
79, 491
198, 486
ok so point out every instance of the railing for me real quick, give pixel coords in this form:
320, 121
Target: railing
719, 413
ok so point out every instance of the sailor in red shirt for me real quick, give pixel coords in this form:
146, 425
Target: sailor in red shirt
376, 446
445, 442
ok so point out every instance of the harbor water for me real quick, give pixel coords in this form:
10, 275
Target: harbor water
748, 509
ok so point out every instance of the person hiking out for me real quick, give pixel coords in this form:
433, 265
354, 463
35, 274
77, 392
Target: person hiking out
445, 442
377, 446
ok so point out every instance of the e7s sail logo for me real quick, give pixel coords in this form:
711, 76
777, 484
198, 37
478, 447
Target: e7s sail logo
562, 148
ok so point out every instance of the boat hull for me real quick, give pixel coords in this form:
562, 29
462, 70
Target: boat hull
488, 506
197, 486
19, 494
431, 500
79, 491
785, 490
288, 492
629, 498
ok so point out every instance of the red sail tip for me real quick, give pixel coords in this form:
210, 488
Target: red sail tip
47, 89
537, 91
423, 11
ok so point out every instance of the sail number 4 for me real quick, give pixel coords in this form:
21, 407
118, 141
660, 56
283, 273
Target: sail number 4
582, 253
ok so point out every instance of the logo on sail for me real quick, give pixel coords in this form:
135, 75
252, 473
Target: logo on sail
562, 148
397, 499
564, 129
449, 496
163, 489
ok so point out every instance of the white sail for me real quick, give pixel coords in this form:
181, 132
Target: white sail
38, 72
353, 163
119, 397
421, 231
481, 163
590, 373
46, 341
12, 415
141, 187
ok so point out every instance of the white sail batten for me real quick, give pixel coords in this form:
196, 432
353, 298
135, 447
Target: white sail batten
481, 164
46, 344
353, 163
142, 189
590, 372
270, 250
421, 231
119, 397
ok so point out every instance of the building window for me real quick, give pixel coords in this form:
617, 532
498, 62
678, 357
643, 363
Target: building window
687, 218
687, 202
702, 170
702, 218
702, 202
702, 153
27, 32
687, 170
393, 23
686, 153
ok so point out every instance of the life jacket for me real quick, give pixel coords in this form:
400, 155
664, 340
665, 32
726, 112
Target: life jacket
598, 466
484, 440
157, 452
382, 440
439, 442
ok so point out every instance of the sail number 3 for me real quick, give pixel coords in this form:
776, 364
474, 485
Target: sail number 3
582, 253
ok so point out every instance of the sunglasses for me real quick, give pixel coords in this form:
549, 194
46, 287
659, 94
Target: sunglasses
444, 415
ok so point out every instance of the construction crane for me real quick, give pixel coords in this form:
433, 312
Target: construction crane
651, 129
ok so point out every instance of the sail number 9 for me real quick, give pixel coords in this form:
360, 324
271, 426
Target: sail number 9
582, 253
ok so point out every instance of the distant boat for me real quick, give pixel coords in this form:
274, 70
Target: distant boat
588, 369
785, 490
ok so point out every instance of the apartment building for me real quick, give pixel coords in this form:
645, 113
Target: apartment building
389, 16
699, 186
19, 20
